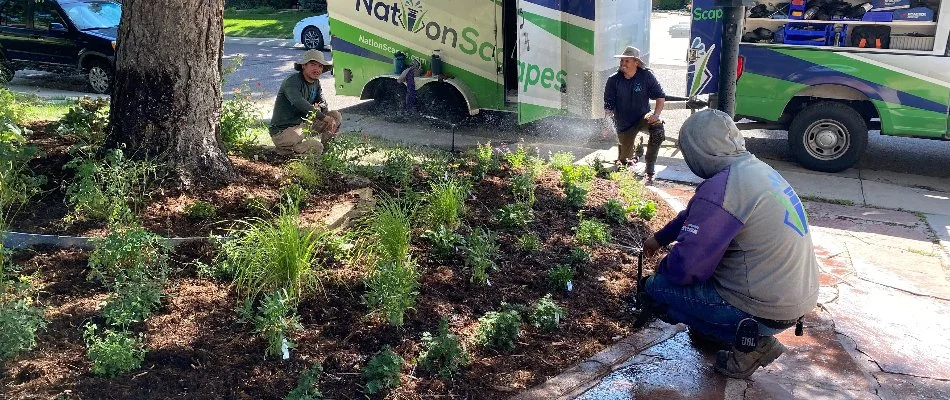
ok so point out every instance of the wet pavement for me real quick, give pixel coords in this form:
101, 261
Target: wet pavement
879, 331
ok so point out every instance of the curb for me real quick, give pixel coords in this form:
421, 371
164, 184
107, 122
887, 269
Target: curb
270, 42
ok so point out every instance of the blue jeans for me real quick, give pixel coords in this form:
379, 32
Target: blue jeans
700, 307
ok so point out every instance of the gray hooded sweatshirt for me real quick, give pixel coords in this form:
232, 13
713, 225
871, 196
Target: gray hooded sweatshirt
745, 228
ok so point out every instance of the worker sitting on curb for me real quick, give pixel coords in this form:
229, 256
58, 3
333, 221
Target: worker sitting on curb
299, 96
743, 265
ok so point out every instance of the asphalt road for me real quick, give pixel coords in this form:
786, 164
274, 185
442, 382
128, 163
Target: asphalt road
263, 69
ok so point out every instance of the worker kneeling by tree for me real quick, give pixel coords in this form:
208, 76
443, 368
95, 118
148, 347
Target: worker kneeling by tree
301, 95
743, 267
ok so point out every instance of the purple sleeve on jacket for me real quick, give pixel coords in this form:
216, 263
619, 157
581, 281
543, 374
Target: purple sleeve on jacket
703, 239
669, 232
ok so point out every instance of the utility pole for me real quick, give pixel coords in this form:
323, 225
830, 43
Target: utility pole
733, 12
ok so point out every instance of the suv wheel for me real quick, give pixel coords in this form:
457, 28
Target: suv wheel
100, 77
312, 38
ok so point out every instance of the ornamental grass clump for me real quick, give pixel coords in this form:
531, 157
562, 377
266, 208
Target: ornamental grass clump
267, 255
389, 227
391, 289
445, 203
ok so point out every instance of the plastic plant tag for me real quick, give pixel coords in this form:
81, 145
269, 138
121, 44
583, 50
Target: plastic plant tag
487, 282
285, 348
570, 286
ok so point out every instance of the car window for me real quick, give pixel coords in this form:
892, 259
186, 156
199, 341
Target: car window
94, 14
45, 15
13, 14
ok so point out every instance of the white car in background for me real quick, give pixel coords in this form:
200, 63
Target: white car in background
313, 32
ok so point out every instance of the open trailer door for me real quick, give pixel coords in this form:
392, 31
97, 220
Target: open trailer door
541, 78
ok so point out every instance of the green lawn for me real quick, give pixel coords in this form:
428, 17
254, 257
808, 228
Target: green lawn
262, 23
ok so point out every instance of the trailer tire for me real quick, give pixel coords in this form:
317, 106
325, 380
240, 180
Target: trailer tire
389, 99
443, 102
828, 136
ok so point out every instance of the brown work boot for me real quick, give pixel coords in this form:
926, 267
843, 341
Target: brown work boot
739, 365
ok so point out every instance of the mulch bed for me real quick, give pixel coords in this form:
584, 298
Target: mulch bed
198, 349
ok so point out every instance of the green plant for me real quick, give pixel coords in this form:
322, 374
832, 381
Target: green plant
443, 353
295, 196
342, 156
577, 180
445, 203
390, 226
200, 209
437, 164
481, 250
269, 255
398, 167
382, 371
20, 318
561, 276
591, 232
17, 183
484, 157
546, 314
615, 211
109, 190
257, 206
523, 186
129, 256
276, 319
444, 241
132, 302
306, 173
598, 165
579, 256
529, 242
561, 159
646, 210
239, 117
11, 110
499, 329
518, 158
516, 215
576, 196
631, 189
392, 288
114, 352
86, 121
307, 385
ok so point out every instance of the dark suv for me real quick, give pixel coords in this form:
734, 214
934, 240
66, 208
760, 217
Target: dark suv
60, 36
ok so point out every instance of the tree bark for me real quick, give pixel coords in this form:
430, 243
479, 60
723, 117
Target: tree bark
166, 103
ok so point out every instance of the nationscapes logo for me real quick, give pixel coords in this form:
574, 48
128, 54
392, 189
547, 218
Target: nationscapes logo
412, 19
795, 216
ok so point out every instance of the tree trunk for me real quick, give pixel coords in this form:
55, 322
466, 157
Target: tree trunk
166, 104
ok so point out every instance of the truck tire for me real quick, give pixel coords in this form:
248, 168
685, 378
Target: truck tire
442, 102
828, 137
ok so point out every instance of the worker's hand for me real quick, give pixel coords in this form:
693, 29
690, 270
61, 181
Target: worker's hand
651, 246
653, 119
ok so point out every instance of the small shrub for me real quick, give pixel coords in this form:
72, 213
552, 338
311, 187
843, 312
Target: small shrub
579, 256
20, 318
307, 385
398, 167
382, 371
239, 117
561, 276
437, 165
591, 232
107, 190
295, 196
499, 329
342, 156
518, 158
114, 352
615, 211
314, 6
631, 188
546, 314
482, 248
445, 242
646, 210
445, 203
443, 353
576, 196
392, 288
275, 321
11, 110
133, 302
269, 255
598, 165
485, 161
200, 209
516, 215
523, 186
305, 173
529, 242
561, 159
86, 121
17, 183
577, 180
129, 256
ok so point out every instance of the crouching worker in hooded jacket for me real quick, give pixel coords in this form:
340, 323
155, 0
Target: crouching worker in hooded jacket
743, 259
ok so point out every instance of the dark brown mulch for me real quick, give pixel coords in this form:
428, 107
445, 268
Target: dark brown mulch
197, 348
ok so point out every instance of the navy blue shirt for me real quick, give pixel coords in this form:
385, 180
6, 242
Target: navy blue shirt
629, 99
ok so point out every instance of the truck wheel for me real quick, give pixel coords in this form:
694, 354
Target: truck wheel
443, 102
100, 77
828, 137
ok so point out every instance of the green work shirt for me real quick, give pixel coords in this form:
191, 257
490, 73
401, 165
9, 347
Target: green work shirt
294, 101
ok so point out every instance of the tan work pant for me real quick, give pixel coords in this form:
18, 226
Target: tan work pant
292, 140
